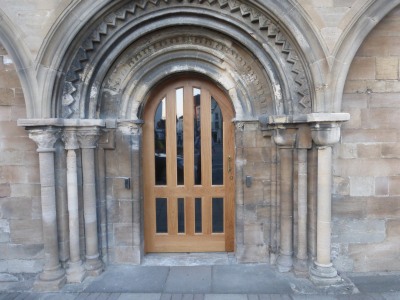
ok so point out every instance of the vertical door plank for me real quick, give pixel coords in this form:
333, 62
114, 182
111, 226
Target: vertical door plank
188, 134
171, 138
206, 163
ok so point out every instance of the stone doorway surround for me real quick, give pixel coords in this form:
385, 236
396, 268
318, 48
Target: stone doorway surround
97, 102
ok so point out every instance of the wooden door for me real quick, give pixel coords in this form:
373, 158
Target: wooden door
189, 169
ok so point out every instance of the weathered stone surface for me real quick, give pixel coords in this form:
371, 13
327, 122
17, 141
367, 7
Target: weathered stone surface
362, 68
394, 186
381, 186
358, 231
253, 234
16, 208
387, 68
5, 190
362, 186
369, 135
349, 207
26, 231
382, 208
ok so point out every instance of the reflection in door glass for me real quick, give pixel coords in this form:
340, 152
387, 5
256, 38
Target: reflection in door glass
197, 216
197, 135
161, 215
160, 136
217, 143
179, 136
181, 215
218, 215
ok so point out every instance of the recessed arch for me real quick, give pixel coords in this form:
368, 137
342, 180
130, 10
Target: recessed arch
255, 30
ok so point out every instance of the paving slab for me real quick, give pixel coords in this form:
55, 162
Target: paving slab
189, 280
247, 279
377, 283
140, 296
225, 297
130, 279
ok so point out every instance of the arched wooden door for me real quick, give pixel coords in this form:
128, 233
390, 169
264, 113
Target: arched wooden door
189, 169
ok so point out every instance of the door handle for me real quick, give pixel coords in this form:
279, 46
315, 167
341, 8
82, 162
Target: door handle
230, 167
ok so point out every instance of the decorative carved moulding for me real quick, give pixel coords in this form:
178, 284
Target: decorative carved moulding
114, 29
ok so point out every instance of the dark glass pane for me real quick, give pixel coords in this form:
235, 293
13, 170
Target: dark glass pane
179, 136
197, 214
217, 215
197, 137
181, 215
160, 136
161, 215
217, 144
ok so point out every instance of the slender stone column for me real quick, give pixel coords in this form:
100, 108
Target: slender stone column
285, 139
301, 262
75, 271
53, 276
324, 136
303, 143
88, 138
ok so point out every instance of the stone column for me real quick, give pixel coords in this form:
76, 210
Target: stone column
88, 137
53, 276
301, 261
285, 139
303, 143
324, 136
75, 271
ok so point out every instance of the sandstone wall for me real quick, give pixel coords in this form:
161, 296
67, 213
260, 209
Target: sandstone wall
366, 205
21, 248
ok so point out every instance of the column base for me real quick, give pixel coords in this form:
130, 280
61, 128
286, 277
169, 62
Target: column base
284, 263
50, 281
324, 275
76, 273
94, 267
300, 267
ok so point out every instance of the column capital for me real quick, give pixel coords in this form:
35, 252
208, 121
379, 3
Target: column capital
325, 134
45, 138
285, 137
70, 138
88, 137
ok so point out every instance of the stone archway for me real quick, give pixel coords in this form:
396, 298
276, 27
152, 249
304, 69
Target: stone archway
106, 76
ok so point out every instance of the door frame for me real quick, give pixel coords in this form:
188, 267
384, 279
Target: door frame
227, 108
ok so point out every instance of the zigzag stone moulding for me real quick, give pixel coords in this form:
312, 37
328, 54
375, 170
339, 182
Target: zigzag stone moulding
150, 47
80, 66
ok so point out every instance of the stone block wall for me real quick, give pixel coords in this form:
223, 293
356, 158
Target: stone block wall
254, 203
21, 247
366, 204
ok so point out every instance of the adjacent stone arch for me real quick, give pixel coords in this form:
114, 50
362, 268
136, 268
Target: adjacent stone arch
349, 46
22, 59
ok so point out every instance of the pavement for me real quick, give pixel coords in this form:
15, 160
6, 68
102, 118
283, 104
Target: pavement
204, 282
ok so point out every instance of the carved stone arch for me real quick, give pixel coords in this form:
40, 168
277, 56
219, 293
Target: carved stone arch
290, 80
22, 59
176, 50
349, 45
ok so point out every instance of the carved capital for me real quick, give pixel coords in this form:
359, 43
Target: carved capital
88, 137
45, 138
70, 139
325, 134
285, 138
